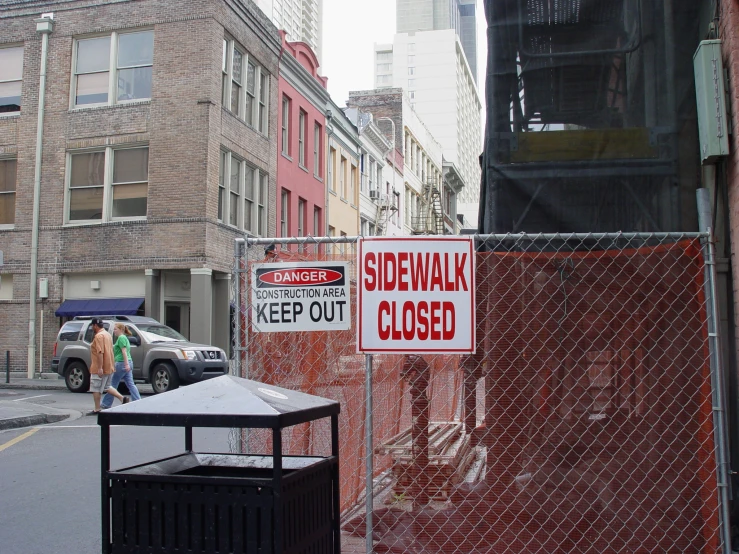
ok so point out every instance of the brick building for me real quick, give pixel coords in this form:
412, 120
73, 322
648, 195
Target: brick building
301, 164
159, 148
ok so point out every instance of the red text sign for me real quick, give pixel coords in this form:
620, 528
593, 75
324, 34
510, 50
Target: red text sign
416, 295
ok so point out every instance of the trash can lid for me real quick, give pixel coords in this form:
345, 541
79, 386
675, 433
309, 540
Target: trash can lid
225, 401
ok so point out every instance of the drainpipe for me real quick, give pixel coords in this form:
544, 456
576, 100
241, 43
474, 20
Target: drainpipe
44, 26
329, 132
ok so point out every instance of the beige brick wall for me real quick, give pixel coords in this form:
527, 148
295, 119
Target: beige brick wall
184, 125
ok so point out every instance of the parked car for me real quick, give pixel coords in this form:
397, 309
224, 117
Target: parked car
161, 356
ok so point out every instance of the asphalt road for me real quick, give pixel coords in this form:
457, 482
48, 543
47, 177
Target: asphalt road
50, 475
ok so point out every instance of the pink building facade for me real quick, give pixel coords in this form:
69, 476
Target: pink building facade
301, 143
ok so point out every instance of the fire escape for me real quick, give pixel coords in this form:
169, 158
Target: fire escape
430, 217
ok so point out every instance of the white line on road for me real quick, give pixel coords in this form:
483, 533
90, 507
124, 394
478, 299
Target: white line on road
29, 397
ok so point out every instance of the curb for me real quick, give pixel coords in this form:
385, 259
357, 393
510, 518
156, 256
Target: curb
27, 421
32, 386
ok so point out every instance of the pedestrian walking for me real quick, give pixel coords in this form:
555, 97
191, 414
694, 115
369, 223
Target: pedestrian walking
102, 365
123, 365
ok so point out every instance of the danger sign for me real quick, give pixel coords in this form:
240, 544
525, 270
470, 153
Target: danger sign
300, 296
416, 295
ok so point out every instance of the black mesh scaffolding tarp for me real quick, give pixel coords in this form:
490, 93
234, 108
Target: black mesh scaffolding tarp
591, 120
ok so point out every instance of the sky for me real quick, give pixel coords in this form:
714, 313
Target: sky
350, 30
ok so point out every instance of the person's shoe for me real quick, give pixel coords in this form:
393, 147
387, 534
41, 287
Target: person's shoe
126, 399
93, 412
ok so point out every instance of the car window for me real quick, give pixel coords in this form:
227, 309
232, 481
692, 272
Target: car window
89, 333
159, 333
70, 331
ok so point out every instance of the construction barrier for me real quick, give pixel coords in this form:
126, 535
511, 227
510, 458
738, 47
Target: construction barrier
588, 420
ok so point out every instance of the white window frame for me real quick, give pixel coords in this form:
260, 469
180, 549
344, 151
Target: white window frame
257, 200
302, 118
23, 54
14, 192
317, 232
302, 207
107, 207
285, 136
112, 70
317, 142
259, 100
284, 212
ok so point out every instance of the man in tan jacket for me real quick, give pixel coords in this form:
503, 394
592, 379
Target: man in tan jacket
102, 365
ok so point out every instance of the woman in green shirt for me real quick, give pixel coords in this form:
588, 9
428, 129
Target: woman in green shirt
123, 365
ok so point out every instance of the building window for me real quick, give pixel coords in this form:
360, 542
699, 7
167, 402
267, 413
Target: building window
222, 185
261, 202
6, 286
411, 83
8, 170
317, 143
384, 68
332, 169
385, 56
301, 138
411, 60
411, 71
448, 201
412, 95
129, 55
352, 183
317, 231
245, 86
284, 212
11, 79
130, 182
234, 188
286, 125
263, 102
239, 180
411, 47
95, 193
342, 177
301, 217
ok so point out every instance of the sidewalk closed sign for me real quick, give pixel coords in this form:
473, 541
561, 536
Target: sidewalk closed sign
416, 295
301, 296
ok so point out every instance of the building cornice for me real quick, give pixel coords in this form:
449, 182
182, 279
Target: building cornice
301, 79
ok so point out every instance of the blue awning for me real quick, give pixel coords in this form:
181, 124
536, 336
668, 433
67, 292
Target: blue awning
100, 306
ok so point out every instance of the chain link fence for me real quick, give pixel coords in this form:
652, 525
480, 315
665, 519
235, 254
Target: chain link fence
590, 419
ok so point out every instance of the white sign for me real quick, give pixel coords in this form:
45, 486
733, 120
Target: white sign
300, 296
416, 295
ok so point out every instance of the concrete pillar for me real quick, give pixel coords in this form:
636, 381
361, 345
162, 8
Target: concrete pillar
221, 311
201, 305
153, 300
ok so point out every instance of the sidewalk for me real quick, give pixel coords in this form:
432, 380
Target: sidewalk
14, 415
51, 381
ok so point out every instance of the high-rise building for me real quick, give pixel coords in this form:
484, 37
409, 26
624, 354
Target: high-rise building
436, 15
301, 19
432, 68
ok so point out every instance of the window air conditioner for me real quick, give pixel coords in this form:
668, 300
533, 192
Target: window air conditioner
374, 194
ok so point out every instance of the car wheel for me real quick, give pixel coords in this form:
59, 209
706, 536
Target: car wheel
77, 377
164, 378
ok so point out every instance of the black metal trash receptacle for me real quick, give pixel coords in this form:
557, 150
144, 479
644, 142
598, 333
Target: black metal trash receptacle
198, 502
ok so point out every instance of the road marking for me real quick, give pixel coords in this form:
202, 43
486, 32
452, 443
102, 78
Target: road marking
67, 426
29, 397
18, 439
